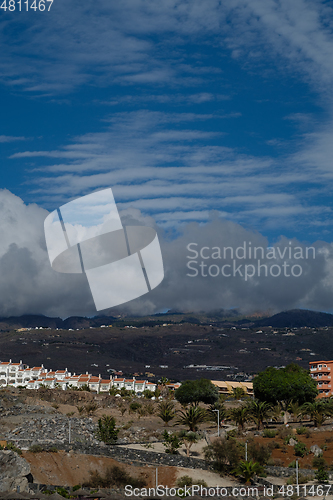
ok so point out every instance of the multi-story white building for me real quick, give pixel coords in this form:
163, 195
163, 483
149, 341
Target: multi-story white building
133, 385
19, 375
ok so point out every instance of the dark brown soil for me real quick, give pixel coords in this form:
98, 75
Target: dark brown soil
69, 469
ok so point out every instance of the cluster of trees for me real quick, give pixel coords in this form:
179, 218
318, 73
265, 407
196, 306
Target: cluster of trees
227, 456
278, 392
189, 395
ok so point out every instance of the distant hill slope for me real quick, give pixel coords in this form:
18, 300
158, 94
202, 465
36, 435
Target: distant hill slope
297, 318
36, 320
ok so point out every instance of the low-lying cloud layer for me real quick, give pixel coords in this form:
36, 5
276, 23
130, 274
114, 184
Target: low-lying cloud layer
205, 269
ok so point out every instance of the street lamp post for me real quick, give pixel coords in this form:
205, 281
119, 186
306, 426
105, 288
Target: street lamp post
218, 422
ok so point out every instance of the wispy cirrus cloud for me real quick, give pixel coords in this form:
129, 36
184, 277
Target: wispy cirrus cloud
149, 155
156, 164
115, 42
11, 138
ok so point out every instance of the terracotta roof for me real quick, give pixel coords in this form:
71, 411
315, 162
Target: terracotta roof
139, 381
106, 381
94, 380
36, 368
61, 371
4, 363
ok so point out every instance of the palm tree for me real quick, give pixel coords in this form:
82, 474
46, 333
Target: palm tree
192, 416
318, 411
163, 381
166, 411
247, 469
240, 416
295, 409
164, 390
259, 411
188, 438
275, 412
238, 393
212, 413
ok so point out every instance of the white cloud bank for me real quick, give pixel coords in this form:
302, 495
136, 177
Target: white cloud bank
28, 285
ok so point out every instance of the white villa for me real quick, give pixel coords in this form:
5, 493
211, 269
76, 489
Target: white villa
19, 375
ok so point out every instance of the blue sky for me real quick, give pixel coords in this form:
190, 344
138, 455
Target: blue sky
182, 107
189, 110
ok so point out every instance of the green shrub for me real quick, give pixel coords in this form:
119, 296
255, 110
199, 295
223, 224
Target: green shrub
302, 479
134, 406
201, 482
113, 476
171, 443
84, 387
284, 433
148, 394
106, 429
269, 433
319, 463
36, 448
259, 453
300, 449
321, 475
224, 453
11, 446
288, 438
184, 481
303, 430
188, 481
150, 408
63, 492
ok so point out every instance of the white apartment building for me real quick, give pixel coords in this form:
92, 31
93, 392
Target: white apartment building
19, 375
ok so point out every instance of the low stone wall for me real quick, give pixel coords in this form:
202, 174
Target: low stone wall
235, 492
126, 455
289, 471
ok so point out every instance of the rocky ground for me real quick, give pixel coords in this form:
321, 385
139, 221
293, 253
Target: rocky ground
54, 430
51, 419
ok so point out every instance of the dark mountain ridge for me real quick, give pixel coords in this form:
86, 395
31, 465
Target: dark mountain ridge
297, 318
294, 318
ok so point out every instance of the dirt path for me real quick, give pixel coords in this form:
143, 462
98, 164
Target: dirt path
195, 452
212, 479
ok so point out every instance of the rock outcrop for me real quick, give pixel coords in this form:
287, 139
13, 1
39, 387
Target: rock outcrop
13, 472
